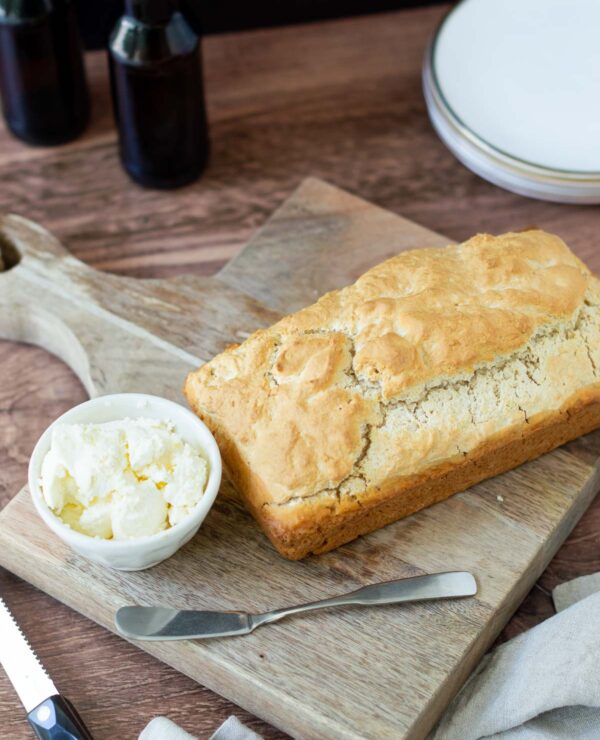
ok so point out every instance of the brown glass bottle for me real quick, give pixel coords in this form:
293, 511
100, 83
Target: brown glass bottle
42, 80
158, 94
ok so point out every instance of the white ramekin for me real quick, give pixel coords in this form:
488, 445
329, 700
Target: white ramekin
142, 552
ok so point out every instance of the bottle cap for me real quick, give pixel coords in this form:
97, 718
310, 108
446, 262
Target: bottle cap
24, 10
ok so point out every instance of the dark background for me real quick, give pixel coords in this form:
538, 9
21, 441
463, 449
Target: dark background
97, 17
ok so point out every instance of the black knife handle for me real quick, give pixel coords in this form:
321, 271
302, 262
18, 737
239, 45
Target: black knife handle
57, 719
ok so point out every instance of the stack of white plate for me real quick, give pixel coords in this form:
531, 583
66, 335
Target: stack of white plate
513, 89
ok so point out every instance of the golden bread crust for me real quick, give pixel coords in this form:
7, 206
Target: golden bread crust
342, 416
320, 530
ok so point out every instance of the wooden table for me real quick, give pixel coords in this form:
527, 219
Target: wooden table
340, 100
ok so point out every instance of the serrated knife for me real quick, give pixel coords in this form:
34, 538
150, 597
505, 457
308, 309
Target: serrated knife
50, 715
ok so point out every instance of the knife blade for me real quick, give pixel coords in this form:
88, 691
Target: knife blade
161, 623
49, 714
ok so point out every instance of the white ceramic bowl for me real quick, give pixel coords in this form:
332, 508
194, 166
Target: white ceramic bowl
142, 552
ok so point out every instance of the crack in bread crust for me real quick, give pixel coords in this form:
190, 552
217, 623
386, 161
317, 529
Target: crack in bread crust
319, 534
525, 361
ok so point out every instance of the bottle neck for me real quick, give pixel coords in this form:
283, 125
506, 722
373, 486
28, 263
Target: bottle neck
151, 12
139, 39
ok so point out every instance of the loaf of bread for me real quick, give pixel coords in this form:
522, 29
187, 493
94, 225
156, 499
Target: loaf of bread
436, 369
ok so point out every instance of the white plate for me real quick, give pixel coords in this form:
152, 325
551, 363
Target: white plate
512, 88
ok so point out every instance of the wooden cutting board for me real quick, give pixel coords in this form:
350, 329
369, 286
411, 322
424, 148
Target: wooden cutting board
378, 673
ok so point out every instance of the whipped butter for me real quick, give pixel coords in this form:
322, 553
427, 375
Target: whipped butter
122, 479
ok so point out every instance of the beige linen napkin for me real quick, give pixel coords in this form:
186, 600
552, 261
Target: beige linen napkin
162, 728
543, 684
575, 590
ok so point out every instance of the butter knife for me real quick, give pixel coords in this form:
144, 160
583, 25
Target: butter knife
162, 623
50, 715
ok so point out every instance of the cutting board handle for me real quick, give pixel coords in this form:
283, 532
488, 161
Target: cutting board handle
22, 239
118, 334
53, 300
33, 294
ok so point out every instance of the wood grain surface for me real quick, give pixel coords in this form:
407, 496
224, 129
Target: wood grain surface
340, 100
395, 669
